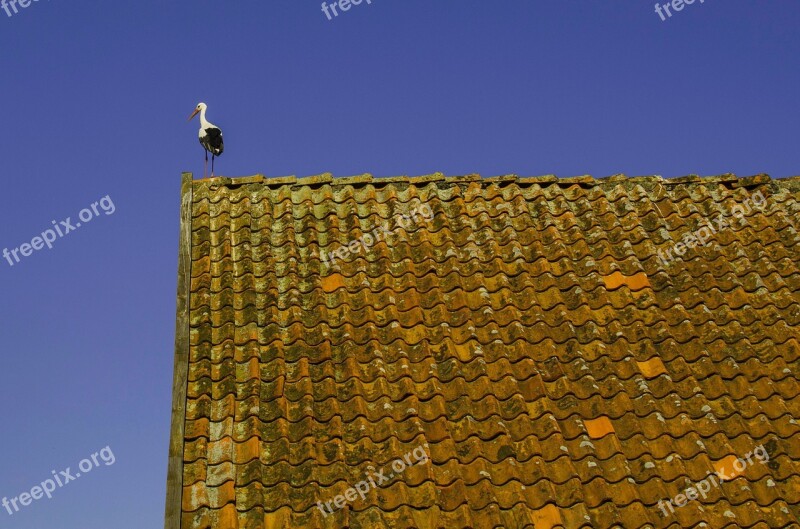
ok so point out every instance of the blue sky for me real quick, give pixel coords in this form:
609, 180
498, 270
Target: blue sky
94, 98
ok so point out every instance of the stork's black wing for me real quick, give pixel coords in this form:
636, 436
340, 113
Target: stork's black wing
212, 141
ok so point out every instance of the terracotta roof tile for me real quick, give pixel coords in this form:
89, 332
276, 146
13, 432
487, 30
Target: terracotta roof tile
522, 332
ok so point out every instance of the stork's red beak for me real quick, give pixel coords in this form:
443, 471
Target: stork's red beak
196, 110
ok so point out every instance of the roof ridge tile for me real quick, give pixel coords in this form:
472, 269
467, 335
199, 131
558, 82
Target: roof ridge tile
368, 178
543, 179
434, 177
749, 181
583, 179
365, 178
323, 178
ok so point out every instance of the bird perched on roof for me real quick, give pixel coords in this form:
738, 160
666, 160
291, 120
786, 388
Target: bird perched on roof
210, 137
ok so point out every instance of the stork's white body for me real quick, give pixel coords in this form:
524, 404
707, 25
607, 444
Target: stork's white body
210, 136
205, 124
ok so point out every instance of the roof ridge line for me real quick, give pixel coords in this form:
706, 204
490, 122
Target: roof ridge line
548, 179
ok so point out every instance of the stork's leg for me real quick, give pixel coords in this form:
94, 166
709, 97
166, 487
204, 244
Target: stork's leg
205, 167
212, 165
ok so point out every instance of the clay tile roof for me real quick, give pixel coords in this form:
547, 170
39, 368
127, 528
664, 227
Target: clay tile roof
508, 352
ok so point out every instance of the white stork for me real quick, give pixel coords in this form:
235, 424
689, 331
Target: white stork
210, 137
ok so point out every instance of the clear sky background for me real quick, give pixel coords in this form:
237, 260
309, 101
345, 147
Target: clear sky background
94, 97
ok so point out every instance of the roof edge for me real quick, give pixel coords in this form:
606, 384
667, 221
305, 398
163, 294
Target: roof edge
726, 179
173, 508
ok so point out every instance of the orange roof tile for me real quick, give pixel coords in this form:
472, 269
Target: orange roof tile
599, 428
652, 368
500, 341
637, 281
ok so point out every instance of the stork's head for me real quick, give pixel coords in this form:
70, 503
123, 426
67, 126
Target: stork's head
199, 108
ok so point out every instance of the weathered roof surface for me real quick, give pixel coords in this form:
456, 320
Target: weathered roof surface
524, 332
